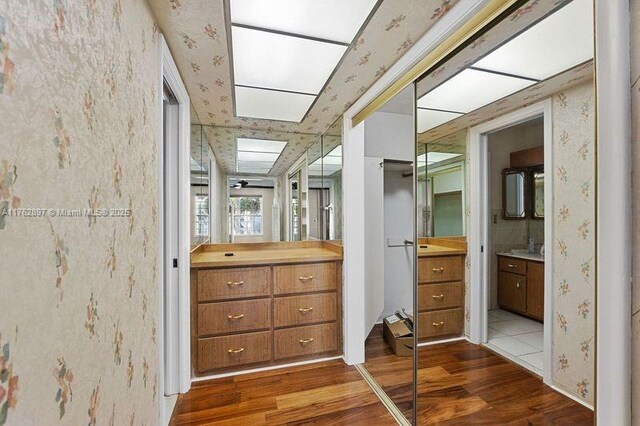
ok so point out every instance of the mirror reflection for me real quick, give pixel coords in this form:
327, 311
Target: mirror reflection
513, 194
537, 180
265, 185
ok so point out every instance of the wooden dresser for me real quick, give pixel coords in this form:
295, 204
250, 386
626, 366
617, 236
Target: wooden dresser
521, 285
276, 305
440, 293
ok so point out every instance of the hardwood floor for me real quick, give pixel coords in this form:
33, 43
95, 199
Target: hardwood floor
327, 393
460, 383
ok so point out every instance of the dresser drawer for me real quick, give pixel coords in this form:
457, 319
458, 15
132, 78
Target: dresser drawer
440, 323
311, 339
220, 284
230, 317
509, 264
304, 278
230, 351
440, 268
440, 296
298, 310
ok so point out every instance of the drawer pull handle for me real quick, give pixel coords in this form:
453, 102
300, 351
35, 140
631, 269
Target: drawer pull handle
236, 317
438, 324
438, 297
438, 269
518, 284
307, 278
512, 266
236, 351
235, 283
305, 341
305, 310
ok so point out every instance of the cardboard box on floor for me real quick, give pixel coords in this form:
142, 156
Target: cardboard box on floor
398, 336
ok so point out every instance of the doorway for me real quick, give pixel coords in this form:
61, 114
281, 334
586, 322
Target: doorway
513, 275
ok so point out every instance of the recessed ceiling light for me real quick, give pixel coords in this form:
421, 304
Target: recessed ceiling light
337, 20
274, 61
429, 118
561, 41
260, 145
257, 156
470, 90
271, 105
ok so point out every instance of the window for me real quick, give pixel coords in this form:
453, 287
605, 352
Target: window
202, 216
247, 215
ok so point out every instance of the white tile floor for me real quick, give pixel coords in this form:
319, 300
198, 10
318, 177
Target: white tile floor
517, 337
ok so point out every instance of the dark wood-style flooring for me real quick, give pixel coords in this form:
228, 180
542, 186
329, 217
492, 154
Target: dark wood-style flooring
327, 393
458, 384
461, 383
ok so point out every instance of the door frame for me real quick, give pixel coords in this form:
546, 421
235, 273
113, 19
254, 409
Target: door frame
168, 72
480, 224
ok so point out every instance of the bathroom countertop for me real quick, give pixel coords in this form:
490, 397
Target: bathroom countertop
527, 256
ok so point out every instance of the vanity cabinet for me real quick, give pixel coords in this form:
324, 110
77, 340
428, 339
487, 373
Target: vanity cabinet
521, 286
245, 317
440, 296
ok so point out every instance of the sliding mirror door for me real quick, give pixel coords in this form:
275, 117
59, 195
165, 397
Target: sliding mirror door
506, 258
390, 252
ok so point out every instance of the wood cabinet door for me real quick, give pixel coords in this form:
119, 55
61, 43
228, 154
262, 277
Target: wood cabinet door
535, 290
512, 291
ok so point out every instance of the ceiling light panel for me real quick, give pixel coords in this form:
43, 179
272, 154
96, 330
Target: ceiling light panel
336, 152
257, 156
436, 157
429, 119
470, 90
275, 61
337, 20
260, 145
271, 105
555, 44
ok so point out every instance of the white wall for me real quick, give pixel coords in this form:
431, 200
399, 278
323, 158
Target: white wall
398, 226
374, 241
217, 201
267, 195
390, 136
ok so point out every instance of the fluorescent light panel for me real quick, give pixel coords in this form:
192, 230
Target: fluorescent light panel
275, 61
260, 145
271, 105
429, 119
337, 20
559, 42
470, 90
436, 157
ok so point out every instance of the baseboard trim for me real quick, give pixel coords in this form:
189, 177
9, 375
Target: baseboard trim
258, 370
382, 396
568, 395
438, 342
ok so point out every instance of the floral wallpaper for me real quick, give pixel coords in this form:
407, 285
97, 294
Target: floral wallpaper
635, 140
197, 35
78, 293
574, 235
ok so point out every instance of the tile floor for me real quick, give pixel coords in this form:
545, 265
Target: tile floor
517, 337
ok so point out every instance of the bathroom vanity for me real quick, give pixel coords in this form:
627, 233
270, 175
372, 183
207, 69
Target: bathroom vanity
521, 284
266, 304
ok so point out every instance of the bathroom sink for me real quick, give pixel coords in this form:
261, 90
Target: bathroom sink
519, 251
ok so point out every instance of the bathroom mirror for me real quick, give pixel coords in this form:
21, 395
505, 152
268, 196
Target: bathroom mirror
537, 193
514, 201
332, 181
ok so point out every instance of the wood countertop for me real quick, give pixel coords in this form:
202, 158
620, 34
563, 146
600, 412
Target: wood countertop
437, 250
248, 254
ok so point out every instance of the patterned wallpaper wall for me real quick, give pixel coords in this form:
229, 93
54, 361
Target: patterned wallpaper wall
78, 294
574, 234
